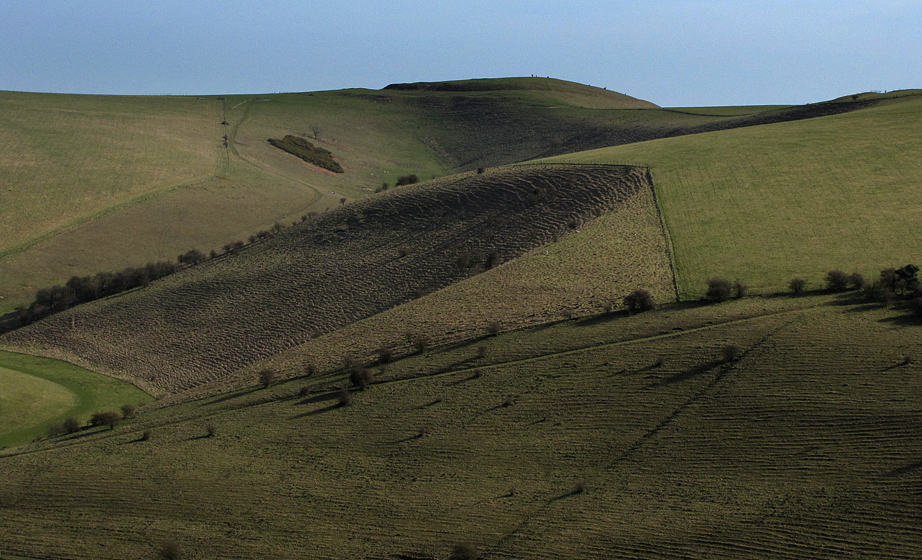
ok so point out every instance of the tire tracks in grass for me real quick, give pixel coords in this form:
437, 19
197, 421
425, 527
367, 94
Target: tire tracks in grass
232, 146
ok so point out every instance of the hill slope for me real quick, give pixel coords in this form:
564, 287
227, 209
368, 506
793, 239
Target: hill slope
571, 443
210, 320
99, 183
768, 203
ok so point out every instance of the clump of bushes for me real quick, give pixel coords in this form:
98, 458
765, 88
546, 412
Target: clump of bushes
836, 281
107, 418
302, 148
361, 377
639, 300
718, 290
407, 180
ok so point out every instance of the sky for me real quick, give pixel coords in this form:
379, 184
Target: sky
671, 52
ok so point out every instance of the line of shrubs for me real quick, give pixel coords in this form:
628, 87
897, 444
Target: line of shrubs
84, 289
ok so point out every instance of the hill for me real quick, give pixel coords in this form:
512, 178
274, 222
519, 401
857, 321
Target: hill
769, 203
210, 320
100, 183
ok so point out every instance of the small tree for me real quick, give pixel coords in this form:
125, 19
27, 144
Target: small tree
361, 377
639, 300
739, 290
718, 289
71, 425
836, 281
797, 286
266, 377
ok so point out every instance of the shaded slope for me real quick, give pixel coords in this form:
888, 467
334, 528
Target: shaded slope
206, 322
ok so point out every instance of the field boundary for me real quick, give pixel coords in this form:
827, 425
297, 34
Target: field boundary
662, 221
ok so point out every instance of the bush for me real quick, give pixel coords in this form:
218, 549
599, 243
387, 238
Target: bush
718, 290
210, 430
71, 425
266, 377
107, 418
731, 353
797, 286
361, 377
739, 289
857, 281
146, 435
494, 328
345, 397
419, 341
407, 180
836, 281
639, 300
129, 411
385, 354
659, 362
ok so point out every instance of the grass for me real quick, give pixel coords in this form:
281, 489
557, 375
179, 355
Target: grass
769, 203
38, 392
816, 455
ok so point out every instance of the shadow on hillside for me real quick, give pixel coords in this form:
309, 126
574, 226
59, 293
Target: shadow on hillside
907, 320
230, 396
320, 397
689, 373
317, 411
912, 467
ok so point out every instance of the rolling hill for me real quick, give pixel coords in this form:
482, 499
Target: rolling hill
514, 404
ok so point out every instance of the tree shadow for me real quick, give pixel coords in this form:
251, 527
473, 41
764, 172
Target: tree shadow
231, 395
317, 411
689, 373
905, 469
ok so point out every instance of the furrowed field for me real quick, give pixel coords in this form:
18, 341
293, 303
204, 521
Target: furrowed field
612, 440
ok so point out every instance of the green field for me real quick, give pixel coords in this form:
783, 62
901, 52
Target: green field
766, 204
38, 392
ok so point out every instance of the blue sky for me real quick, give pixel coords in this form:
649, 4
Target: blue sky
671, 52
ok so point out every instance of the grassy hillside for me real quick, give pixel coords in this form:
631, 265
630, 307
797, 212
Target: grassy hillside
208, 321
765, 204
38, 392
99, 183
571, 442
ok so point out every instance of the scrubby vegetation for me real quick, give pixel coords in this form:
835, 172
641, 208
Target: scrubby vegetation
297, 146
